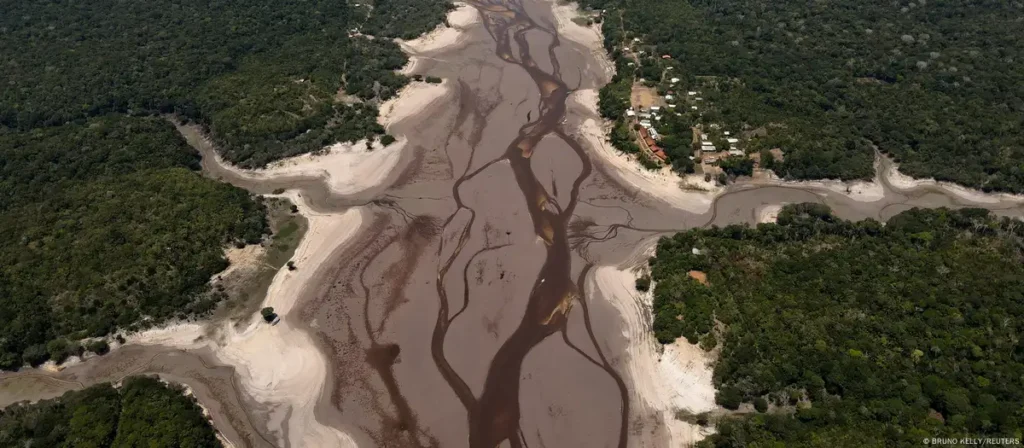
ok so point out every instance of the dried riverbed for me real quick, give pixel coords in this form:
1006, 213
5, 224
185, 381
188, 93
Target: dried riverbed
452, 297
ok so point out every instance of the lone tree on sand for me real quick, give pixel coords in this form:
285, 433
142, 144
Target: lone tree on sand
268, 314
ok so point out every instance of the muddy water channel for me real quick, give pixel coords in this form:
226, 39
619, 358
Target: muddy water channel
457, 316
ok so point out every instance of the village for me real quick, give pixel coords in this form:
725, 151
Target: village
669, 123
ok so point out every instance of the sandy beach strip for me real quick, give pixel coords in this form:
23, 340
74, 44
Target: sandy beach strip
690, 194
901, 181
444, 37
665, 379
769, 213
413, 98
349, 168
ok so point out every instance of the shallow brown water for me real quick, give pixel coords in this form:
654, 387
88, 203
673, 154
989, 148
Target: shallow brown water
457, 317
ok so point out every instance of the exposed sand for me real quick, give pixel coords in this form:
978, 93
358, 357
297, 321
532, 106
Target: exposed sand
278, 365
680, 377
691, 194
327, 232
242, 260
861, 191
282, 368
902, 181
412, 98
769, 213
347, 168
590, 36
441, 38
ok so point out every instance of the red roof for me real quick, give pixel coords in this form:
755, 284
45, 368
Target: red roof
643, 133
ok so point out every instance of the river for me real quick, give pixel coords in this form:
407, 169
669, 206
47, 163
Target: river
459, 313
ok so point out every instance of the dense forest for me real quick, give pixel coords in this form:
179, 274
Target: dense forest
857, 333
266, 77
938, 85
143, 412
105, 221
104, 224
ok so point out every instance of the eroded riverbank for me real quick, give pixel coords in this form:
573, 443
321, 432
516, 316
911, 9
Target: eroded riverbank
453, 288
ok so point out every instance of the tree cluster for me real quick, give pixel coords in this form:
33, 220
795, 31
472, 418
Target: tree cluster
105, 222
267, 78
103, 225
862, 334
143, 412
939, 86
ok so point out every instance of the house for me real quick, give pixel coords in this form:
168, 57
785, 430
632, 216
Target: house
650, 142
659, 153
732, 140
693, 107
708, 147
643, 133
630, 113
655, 108
665, 56
726, 133
735, 152
691, 93
669, 97
675, 80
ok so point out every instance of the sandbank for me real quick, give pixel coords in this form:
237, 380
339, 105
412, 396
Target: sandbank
444, 37
690, 194
413, 98
661, 382
278, 365
858, 190
902, 181
769, 213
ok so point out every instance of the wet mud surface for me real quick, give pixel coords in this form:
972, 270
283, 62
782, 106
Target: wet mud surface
457, 317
